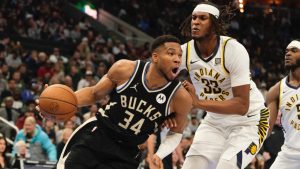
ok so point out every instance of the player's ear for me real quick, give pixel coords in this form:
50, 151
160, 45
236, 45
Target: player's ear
154, 57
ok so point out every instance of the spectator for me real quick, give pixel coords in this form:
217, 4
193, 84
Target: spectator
67, 80
11, 89
50, 130
40, 146
101, 69
75, 75
13, 60
57, 56
107, 56
66, 134
22, 153
29, 113
67, 124
8, 112
21, 150
87, 80
91, 113
5, 161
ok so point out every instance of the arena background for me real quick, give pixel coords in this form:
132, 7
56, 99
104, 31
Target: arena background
74, 43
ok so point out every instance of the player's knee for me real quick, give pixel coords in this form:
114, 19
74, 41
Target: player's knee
226, 164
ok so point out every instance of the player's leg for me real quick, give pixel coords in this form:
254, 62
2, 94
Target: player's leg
280, 162
195, 162
240, 148
245, 140
287, 158
81, 158
208, 144
75, 138
227, 164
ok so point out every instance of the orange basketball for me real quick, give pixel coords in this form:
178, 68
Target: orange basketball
58, 102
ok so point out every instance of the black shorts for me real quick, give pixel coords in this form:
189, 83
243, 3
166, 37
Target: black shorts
92, 148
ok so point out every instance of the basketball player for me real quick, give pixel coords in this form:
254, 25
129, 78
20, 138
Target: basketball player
236, 123
284, 97
143, 94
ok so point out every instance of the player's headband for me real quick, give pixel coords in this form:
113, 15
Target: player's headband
295, 44
207, 8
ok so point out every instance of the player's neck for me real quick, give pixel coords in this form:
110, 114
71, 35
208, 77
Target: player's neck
294, 76
154, 78
207, 45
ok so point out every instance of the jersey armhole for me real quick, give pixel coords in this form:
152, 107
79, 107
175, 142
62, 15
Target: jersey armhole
280, 95
167, 110
188, 55
223, 55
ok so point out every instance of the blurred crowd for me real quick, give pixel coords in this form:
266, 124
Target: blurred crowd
265, 33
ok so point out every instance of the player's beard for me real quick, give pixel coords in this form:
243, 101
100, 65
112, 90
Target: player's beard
293, 67
206, 35
201, 38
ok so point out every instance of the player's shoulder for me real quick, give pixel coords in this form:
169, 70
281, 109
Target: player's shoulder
233, 47
184, 45
122, 69
230, 41
124, 63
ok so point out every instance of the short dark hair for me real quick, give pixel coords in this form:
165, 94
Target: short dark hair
161, 40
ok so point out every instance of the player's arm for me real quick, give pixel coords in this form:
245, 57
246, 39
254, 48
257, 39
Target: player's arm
239, 104
181, 105
272, 101
118, 74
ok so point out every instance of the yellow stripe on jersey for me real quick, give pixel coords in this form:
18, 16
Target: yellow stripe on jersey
188, 57
223, 55
280, 94
263, 125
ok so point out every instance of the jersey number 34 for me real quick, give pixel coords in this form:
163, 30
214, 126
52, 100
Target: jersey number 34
126, 123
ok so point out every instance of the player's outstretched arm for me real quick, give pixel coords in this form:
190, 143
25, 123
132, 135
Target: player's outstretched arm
181, 104
272, 101
118, 74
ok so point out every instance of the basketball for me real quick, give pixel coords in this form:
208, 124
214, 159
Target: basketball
58, 102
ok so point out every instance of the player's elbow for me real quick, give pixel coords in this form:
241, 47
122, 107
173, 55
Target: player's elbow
244, 107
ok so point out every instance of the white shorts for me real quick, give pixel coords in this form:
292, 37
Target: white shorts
288, 158
241, 141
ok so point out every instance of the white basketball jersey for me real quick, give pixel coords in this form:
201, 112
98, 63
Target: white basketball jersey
289, 106
214, 78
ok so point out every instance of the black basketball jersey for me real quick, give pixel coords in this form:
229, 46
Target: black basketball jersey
135, 111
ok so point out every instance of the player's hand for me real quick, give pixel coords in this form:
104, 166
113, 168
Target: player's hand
37, 107
169, 122
191, 89
266, 156
158, 164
